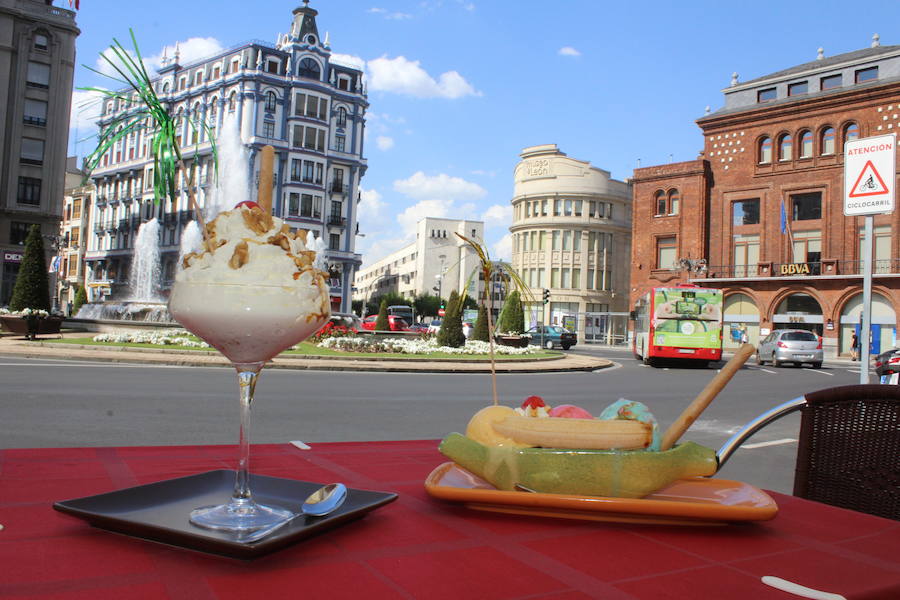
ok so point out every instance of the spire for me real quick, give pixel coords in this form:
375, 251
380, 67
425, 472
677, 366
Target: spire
305, 20
876, 40
820, 53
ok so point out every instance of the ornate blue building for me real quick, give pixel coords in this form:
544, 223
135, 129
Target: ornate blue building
291, 96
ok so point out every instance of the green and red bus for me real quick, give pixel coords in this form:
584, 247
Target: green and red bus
683, 322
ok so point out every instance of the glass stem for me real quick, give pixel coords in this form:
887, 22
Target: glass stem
247, 375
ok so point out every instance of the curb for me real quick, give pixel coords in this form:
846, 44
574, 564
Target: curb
563, 363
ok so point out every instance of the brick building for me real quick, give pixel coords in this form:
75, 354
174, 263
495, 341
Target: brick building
759, 213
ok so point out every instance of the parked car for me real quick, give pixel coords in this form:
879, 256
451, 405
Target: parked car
887, 365
554, 336
349, 321
790, 346
419, 327
395, 322
435, 326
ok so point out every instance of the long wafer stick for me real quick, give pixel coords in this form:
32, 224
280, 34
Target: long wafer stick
266, 167
712, 389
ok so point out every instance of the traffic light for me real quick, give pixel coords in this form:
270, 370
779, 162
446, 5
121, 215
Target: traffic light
546, 296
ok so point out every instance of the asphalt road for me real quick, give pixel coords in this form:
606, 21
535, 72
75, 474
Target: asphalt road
49, 403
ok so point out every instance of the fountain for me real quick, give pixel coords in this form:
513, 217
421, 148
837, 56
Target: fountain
145, 305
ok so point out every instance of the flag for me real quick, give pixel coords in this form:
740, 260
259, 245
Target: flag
76, 3
783, 218
54, 264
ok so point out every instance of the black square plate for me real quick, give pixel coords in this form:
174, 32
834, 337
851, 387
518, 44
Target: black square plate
159, 511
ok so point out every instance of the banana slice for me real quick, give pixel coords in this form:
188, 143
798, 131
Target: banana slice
559, 432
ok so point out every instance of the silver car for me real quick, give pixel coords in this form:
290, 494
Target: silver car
790, 345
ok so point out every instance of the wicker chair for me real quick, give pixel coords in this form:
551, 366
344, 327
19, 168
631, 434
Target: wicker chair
849, 450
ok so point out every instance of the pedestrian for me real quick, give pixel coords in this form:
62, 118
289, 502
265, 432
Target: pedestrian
745, 337
854, 347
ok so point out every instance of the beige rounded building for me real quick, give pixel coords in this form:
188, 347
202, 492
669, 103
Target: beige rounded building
571, 235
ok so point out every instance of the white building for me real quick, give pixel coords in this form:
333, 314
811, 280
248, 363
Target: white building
437, 263
291, 96
572, 236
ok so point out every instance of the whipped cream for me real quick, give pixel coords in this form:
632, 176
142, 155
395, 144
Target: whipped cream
253, 291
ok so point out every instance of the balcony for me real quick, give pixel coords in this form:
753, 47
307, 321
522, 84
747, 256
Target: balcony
124, 223
185, 216
337, 220
337, 187
824, 268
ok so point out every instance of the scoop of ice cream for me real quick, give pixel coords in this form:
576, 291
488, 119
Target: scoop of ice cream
570, 411
247, 246
633, 411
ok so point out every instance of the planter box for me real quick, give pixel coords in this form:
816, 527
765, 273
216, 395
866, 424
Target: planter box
31, 327
516, 341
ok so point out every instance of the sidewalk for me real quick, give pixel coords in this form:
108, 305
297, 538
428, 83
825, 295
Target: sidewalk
46, 347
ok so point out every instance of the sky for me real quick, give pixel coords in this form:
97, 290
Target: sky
457, 88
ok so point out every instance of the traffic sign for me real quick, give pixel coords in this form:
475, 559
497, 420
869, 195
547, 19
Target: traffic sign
870, 174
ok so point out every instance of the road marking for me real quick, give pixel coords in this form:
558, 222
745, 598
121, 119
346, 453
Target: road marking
768, 371
819, 371
780, 442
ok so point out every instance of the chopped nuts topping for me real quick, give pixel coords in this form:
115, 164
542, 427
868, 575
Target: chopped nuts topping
256, 220
240, 257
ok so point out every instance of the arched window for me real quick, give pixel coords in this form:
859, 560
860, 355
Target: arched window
827, 143
211, 113
165, 88
785, 147
342, 117
309, 68
674, 201
851, 132
806, 144
660, 203
270, 101
765, 150
232, 101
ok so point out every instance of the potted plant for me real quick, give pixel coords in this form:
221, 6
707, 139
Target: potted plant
511, 323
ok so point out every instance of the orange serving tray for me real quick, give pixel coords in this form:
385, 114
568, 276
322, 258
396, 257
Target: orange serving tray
694, 501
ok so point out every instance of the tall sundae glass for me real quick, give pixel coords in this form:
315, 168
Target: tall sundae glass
251, 293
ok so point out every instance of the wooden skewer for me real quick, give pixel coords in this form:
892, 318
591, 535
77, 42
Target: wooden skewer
712, 389
266, 168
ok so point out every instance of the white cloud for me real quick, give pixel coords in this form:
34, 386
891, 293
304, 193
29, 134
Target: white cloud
502, 248
384, 142
370, 205
498, 215
426, 208
402, 76
189, 50
443, 187
348, 60
568, 51
396, 16
86, 107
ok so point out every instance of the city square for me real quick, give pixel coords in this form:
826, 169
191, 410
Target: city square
514, 295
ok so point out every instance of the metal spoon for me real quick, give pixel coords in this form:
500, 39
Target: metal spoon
323, 501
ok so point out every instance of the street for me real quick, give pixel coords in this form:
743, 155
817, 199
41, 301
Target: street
79, 403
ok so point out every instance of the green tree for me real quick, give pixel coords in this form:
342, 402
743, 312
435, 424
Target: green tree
382, 323
427, 305
481, 333
451, 332
80, 299
512, 316
32, 289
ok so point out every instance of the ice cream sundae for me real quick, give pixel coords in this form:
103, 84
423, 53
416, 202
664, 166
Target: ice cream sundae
253, 291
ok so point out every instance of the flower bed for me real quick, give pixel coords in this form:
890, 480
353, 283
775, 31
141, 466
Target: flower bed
416, 346
174, 337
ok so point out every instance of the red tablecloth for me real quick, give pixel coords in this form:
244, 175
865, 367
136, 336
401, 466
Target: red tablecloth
416, 547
